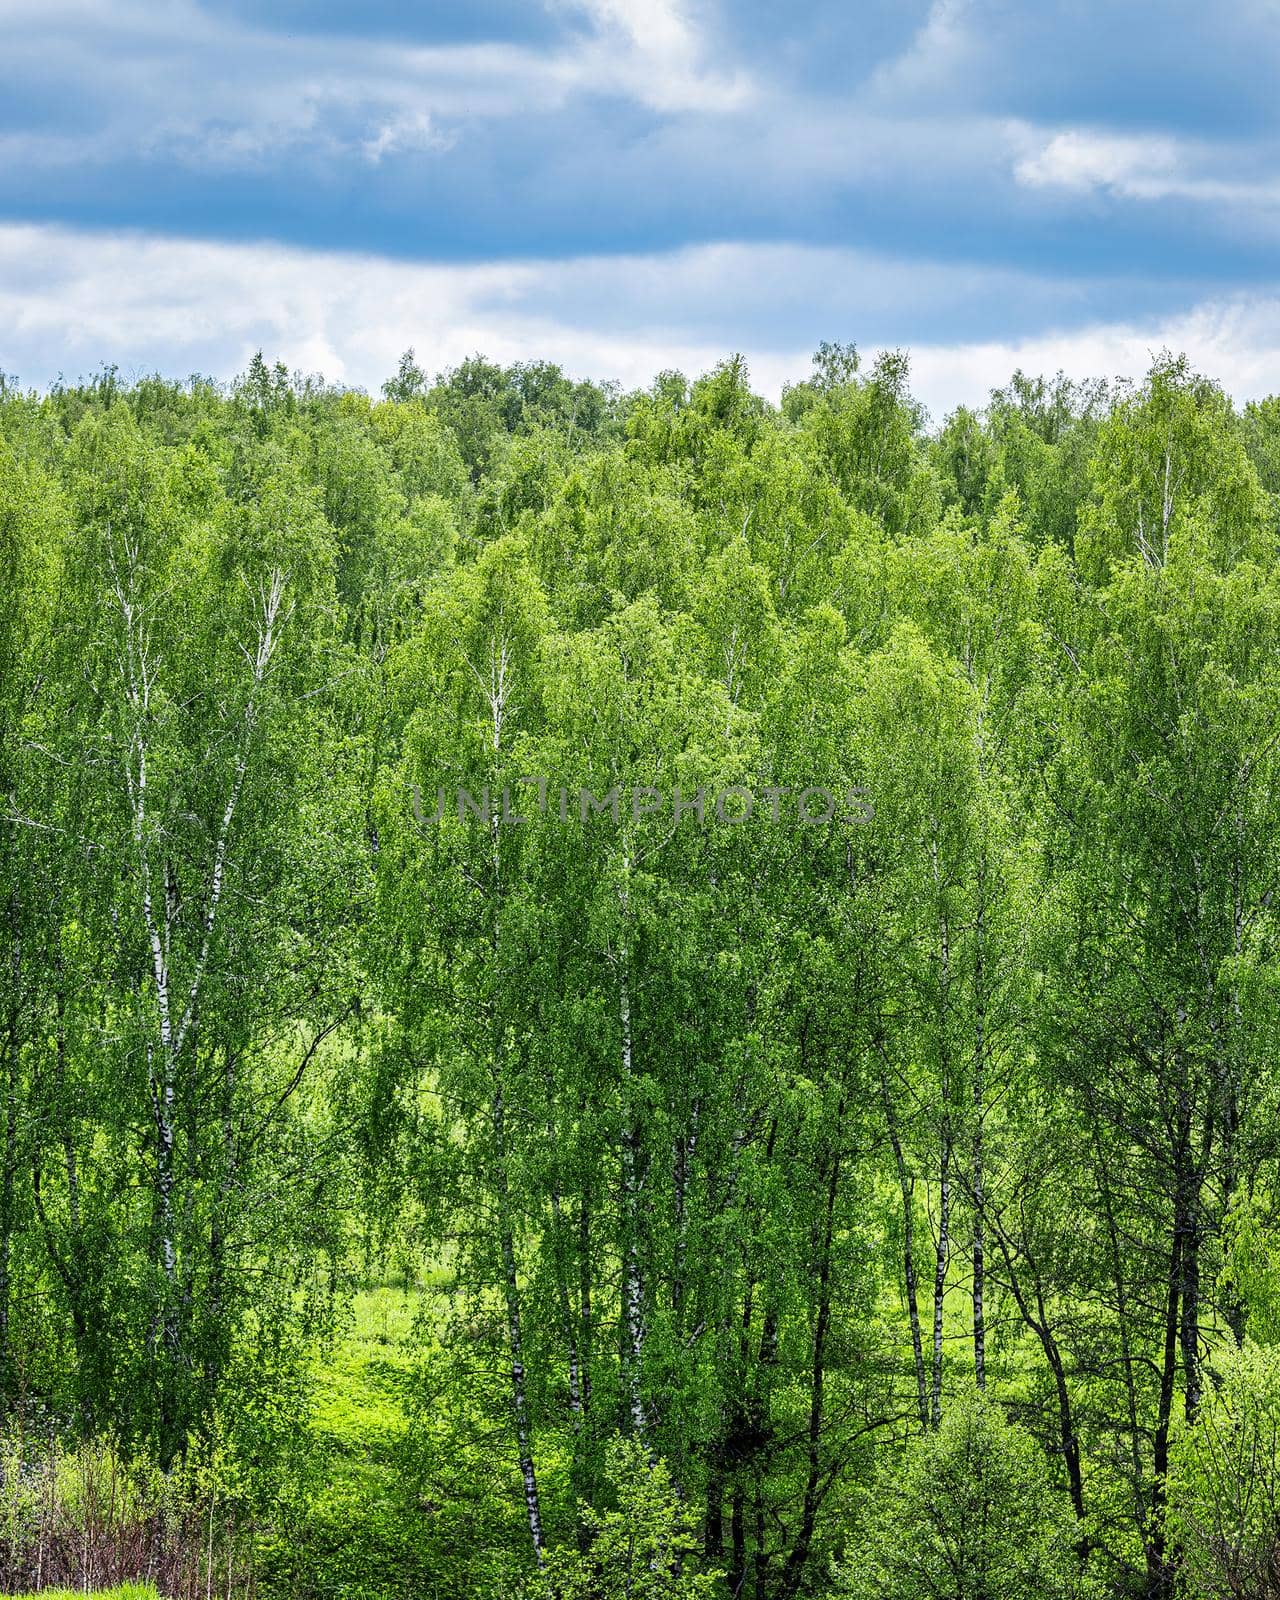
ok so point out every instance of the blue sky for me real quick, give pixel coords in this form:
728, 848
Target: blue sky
627, 185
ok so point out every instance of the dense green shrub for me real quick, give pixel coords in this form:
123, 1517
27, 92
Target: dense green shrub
1224, 1491
972, 1516
642, 1549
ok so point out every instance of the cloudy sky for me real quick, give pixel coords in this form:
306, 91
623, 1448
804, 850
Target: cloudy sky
627, 185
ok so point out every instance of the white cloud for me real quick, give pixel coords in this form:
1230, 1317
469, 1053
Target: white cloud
1136, 168
1078, 159
70, 300
415, 131
659, 54
945, 48
170, 77
1235, 341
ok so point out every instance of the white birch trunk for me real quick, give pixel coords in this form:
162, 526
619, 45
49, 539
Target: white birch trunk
632, 1279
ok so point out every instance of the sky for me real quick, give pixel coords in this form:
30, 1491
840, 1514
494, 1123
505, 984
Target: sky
627, 186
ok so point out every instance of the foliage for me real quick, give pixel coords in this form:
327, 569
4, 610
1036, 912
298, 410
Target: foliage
639, 1549
969, 1514
760, 919
88, 1517
1224, 1493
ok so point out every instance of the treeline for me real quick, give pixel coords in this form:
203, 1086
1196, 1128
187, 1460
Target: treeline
840, 1116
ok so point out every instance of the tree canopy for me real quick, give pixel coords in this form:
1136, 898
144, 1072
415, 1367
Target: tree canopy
764, 916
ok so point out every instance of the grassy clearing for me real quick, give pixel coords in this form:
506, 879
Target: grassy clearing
128, 1591
363, 1530
359, 1404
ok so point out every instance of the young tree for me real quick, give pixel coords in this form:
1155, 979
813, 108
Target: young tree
1224, 1484
969, 1516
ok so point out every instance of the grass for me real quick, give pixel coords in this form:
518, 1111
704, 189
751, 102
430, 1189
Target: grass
415, 1491
359, 1402
364, 1527
128, 1591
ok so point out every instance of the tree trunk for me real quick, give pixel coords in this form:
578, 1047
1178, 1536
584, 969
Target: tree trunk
1190, 1331
1122, 1320
632, 1280
979, 1120
584, 1296
1037, 1319
683, 1152
515, 1336
566, 1309
1159, 1570
906, 1188
9, 1173
7, 1178
738, 1539
713, 1524
793, 1572
941, 1258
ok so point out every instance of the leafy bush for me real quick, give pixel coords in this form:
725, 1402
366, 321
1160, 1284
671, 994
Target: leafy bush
1224, 1490
639, 1550
83, 1520
972, 1517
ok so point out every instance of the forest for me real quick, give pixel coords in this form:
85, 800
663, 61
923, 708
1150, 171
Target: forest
640, 995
